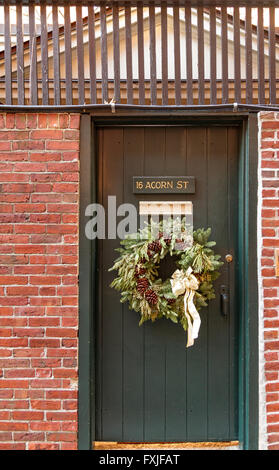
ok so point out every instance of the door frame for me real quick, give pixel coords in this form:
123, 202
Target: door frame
248, 394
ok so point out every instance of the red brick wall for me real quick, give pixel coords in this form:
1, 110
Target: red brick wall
269, 284
39, 191
39, 178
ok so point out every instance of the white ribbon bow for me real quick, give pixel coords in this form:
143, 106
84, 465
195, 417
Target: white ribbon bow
187, 283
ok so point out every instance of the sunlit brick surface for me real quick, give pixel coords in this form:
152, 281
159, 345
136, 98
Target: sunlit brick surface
39, 192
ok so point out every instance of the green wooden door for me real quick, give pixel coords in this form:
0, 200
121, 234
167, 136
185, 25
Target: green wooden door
149, 388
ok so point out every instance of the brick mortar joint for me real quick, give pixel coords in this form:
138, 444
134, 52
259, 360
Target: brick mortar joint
29, 388
260, 248
269, 378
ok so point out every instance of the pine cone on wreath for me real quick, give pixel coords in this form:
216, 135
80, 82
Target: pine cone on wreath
167, 240
171, 301
142, 285
139, 271
155, 246
151, 297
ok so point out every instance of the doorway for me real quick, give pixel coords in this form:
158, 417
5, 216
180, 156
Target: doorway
140, 407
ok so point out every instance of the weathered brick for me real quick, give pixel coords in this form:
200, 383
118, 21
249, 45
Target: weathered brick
46, 134
39, 173
269, 283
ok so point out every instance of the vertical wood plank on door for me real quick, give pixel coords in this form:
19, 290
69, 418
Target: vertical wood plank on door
99, 364
133, 335
110, 349
197, 355
218, 364
176, 413
233, 152
156, 333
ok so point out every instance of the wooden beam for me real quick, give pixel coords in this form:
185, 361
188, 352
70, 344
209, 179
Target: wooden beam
176, 52
260, 40
104, 54
19, 55
164, 51
201, 55
68, 54
136, 91
56, 55
224, 41
116, 53
189, 64
237, 62
272, 62
129, 65
92, 54
8, 59
213, 89
193, 3
44, 53
80, 55
248, 55
152, 48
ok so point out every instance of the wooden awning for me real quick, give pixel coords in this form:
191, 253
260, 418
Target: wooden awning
190, 3
145, 53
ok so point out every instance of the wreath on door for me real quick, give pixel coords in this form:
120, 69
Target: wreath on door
190, 287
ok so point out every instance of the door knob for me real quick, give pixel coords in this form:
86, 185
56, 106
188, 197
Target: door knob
229, 258
224, 300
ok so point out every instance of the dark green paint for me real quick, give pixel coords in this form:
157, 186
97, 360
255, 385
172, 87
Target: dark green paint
183, 395
87, 253
246, 327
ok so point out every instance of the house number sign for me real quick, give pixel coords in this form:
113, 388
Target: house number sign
163, 184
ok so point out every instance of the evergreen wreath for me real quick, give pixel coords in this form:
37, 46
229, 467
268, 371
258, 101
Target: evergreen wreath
138, 279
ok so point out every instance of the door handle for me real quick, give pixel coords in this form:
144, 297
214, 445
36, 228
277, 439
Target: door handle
224, 301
